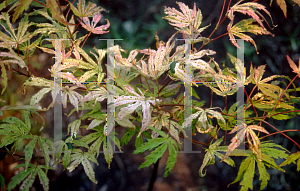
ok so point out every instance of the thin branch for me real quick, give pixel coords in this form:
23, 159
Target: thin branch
279, 132
282, 134
40, 3
250, 102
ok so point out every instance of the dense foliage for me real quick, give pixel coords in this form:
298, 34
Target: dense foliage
146, 99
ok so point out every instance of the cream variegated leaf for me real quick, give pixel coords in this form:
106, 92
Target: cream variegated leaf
134, 102
36, 98
159, 60
180, 19
42, 82
252, 139
14, 39
213, 151
245, 26
74, 97
73, 128
203, 115
84, 158
13, 58
99, 94
250, 9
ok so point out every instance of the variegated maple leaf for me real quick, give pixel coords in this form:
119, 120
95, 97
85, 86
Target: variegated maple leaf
250, 9
247, 130
196, 63
48, 85
134, 102
86, 11
84, 158
56, 70
271, 90
188, 22
159, 60
180, 19
91, 27
90, 65
12, 58
203, 114
245, 26
74, 97
124, 61
163, 120
99, 94
14, 39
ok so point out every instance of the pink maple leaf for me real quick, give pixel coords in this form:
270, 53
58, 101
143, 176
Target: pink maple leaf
92, 26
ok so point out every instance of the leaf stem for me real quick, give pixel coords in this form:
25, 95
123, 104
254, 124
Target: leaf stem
40, 3
70, 9
284, 92
250, 102
30, 66
213, 32
164, 86
251, 93
86, 39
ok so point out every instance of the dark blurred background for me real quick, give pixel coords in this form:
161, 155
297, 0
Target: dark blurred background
136, 22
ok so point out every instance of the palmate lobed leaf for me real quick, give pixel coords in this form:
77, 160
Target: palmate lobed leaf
210, 154
292, 159
15, 39
84, 158
140, 100
85, 11
159, 145
249, 9
246, 171
180, 19
245, 26
27, 178
270, 151
243, 130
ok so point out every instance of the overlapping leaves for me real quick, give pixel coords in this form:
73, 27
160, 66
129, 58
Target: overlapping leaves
160, 144
27, 177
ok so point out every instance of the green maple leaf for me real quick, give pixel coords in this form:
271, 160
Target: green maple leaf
84, 158
159, 145
270, 151
97, 139
28, 176
14, 130
210, 154
21, 6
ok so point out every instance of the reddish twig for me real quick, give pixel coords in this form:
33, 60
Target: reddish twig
278, 132
282, 134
